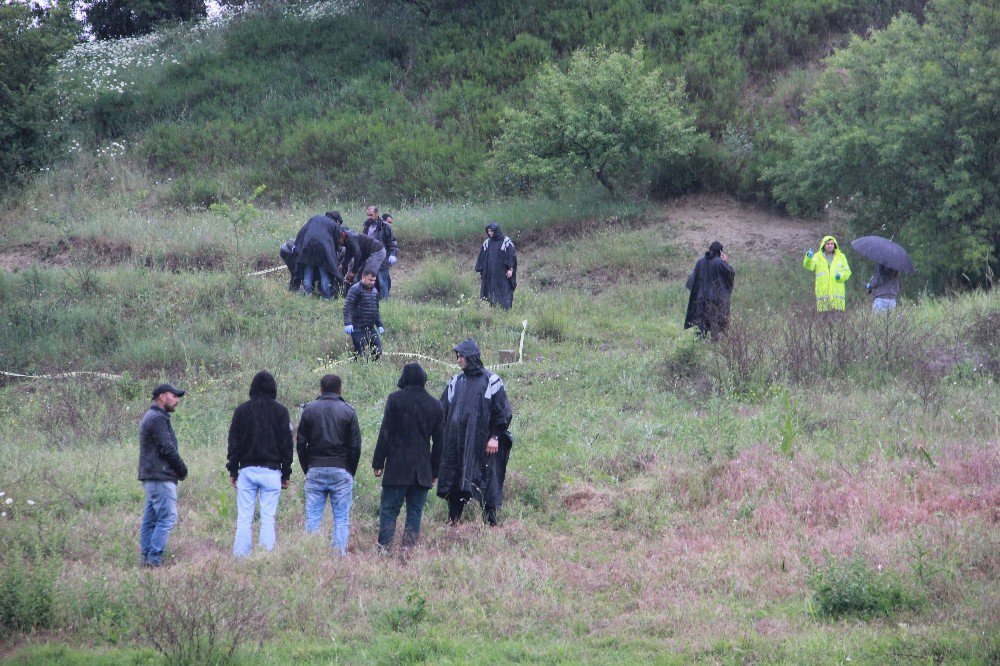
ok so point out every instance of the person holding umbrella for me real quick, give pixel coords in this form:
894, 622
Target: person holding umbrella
832, 271
891, 260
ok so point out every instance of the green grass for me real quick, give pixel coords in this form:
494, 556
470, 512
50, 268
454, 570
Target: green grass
657, 507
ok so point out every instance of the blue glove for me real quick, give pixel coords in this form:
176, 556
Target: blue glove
809, 253
381, 331
392, 260
349, 329
837, 276
868, 286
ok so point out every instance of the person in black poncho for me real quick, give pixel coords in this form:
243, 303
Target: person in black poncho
476, 440
711, 284
497, 268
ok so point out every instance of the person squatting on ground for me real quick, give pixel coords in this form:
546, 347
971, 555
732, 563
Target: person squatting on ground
476, 440
711, 284
404, 455
329, 447
362, 320
363, 253
380, 229
316, 247
259, 460
832, 271
497, 268
883, 288
160, 468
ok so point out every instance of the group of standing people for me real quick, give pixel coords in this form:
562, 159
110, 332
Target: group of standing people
460, 442
712, 279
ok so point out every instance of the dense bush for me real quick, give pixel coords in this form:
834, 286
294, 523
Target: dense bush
901, 131
854, 588
608, 115
30, 43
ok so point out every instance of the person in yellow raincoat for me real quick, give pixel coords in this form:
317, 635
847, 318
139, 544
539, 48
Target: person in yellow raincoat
832, 271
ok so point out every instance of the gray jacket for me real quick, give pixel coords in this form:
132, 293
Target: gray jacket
885, 283
159, 459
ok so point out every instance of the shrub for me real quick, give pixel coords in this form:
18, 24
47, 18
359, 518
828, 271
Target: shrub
27, 593
852, 588
202, 617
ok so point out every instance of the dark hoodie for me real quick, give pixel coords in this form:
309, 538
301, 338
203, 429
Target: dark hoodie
711, 284
496, 256
476, 408
412, 420
260, 434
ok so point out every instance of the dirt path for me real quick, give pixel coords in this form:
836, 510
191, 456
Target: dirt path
692, 221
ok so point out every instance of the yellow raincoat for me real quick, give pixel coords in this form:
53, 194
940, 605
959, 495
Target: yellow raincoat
830, 276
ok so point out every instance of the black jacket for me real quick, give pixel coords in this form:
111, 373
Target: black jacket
359, 248
412, 419
384, 235
711, 284
361, 307
316, 245
159, 459
260, 434
476, 408
329, 435
496, 256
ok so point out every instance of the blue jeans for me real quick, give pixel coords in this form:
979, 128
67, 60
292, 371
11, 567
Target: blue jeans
157, 520
392, 501
325, 280
384, 283
251, 481
367, 342
337, 484
883, 304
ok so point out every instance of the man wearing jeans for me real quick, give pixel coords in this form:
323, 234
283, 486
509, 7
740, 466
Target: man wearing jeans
329, 448
362, 320
260, 460
160, 468
404, 457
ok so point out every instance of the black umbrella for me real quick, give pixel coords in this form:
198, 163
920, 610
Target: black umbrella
884, 251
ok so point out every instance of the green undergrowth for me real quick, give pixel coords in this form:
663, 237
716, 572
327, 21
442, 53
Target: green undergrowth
666, 501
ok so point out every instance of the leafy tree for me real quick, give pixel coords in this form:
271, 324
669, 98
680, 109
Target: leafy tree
607, 114
902, 131
30, 43
114, 19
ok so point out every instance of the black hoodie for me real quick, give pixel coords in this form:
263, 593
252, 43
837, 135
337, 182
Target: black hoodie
260, 434
413, 418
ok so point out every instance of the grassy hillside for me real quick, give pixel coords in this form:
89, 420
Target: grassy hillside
802, 492
374, 99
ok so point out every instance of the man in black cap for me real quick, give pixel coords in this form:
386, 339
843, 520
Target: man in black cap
160, 468
476, 440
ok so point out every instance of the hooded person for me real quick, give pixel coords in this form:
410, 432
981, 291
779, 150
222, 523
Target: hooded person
290, 255
316, 244
711, 285
476, 440
408, 454
259, 460
831, 269
497, 268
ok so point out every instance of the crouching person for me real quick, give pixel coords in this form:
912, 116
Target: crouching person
329, 448
404, 457
260, 460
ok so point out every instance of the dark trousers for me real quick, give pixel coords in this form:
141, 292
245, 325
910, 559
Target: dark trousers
367, 343
392, 502
456, 505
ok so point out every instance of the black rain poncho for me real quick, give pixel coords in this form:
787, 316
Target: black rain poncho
476, 408
496, 257
316, 243
711, 284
